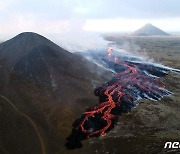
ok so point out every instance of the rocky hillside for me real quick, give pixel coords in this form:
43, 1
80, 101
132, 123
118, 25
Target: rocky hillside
49, 88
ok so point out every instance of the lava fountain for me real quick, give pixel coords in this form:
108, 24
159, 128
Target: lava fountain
133, 81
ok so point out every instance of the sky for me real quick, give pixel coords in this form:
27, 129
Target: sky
63, 16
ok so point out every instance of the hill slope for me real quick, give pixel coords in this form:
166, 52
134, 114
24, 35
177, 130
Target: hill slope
149, 30
46, 83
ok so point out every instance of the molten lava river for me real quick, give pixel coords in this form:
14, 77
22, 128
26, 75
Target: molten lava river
132, 81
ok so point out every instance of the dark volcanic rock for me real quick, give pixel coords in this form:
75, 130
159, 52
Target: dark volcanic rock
47, 83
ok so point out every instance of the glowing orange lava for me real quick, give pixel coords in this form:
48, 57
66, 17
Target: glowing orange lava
119, 95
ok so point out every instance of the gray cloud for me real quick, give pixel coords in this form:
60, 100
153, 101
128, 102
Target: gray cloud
58, 16
138, 9
67, 9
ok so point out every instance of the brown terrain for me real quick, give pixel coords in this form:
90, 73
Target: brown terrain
44, 88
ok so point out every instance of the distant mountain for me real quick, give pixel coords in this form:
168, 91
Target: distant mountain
48, 84
149, 30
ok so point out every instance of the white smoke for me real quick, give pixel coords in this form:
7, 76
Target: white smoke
79, 41
83, 41
67, 33
131, 51
75, 38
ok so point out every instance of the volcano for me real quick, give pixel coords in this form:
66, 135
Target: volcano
42, 88
149, 30
134, 80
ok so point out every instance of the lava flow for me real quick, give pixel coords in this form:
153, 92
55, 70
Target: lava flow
132, 81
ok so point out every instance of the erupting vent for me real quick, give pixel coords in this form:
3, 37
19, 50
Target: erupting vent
132, 81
